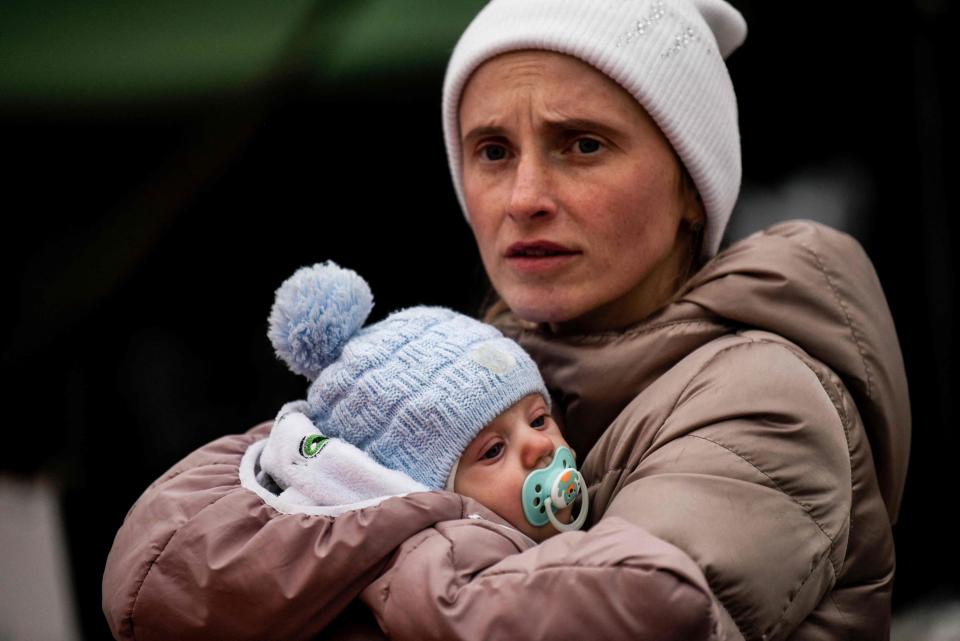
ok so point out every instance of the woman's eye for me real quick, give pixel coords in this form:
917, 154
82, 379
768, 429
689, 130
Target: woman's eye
494, 152
493, 452
588, 145
540, 421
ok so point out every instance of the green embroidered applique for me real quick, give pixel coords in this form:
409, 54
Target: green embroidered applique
312, 445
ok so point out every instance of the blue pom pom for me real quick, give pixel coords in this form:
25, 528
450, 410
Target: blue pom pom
315, 313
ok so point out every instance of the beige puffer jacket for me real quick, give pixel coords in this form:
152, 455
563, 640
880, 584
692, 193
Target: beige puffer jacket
761, 423
728, 426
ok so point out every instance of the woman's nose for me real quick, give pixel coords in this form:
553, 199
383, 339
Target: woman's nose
536, 449
531, 195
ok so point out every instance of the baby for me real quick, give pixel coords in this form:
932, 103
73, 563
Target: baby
426, 399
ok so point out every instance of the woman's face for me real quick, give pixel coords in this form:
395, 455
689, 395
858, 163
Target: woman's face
572, 192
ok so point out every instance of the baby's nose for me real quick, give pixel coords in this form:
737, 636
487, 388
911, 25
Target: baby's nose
538, 451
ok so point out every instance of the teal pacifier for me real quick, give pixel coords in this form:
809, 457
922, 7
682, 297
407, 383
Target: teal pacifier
551, 489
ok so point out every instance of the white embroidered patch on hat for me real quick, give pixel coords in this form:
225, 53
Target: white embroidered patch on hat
493, 358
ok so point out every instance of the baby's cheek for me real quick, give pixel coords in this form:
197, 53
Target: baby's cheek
505, 506
482, 491
506, 503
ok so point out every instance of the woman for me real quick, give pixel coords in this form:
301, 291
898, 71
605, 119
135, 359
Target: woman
743, 415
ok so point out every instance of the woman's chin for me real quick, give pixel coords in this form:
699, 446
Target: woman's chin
580, 312
573, 305
561, 318
541, 310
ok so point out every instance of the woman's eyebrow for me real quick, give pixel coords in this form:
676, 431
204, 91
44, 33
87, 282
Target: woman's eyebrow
555, 126
581, 125
483, 132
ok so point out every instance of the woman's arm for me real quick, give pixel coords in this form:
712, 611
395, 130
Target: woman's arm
470, 580
749, 473
201, 557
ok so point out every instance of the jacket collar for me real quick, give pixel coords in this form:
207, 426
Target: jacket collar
592, 377
800, 280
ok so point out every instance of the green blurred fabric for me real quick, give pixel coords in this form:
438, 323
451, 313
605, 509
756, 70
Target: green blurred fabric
110, 51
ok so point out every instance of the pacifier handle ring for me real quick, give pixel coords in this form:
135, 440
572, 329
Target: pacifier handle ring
581, 517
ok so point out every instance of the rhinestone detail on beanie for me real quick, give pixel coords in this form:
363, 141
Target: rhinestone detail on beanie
657, 12
687, 35
680, 42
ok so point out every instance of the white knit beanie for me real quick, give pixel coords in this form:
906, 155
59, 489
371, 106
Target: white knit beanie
668, 54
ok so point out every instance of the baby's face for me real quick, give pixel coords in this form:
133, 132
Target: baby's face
497, 461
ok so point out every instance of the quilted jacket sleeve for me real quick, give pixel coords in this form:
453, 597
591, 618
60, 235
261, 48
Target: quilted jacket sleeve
473, 580
201, 557
747, 470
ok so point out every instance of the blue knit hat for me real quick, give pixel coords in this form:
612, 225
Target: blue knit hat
413, 390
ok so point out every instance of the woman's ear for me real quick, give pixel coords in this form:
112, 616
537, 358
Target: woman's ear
694, 213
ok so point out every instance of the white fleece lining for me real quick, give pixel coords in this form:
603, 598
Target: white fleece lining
451, 480
248, 479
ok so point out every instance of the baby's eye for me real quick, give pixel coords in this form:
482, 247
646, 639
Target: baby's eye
493, 452
540, 421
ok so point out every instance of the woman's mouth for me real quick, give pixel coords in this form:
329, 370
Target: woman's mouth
539, 255
538, 249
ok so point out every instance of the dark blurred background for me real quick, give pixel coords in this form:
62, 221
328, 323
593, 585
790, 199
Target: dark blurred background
169, 164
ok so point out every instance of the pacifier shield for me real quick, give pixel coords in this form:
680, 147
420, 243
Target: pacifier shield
550, 488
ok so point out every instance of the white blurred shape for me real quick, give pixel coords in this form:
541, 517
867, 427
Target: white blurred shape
935, 619
838, 194
36, 602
